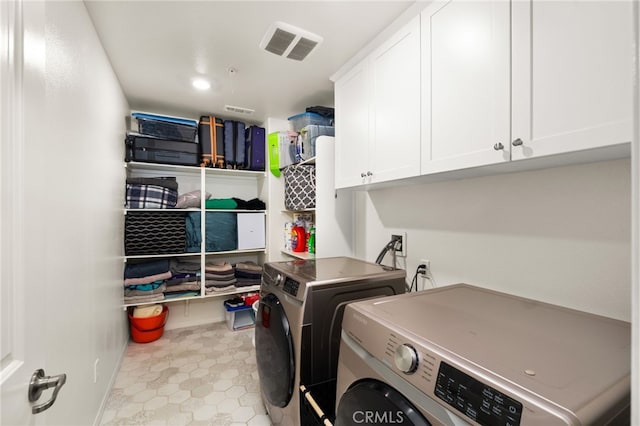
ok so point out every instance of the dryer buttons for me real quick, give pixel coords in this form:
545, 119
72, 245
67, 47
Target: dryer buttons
406, 358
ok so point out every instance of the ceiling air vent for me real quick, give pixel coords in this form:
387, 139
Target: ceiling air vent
239, 110
286, 40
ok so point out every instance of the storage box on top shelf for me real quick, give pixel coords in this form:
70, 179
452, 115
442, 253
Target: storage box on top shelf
308, 118
165, 127
309, 134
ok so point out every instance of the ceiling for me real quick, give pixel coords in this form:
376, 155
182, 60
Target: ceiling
158, 47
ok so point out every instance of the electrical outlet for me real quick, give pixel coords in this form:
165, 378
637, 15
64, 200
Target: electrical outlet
401, 249
427, 270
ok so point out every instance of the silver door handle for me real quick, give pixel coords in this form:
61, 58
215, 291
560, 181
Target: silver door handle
517, 142
38, 383
362, 175
498, 146
369, 174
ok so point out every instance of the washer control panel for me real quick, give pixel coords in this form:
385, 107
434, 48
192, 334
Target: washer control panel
406, 358
291, 286
482, 403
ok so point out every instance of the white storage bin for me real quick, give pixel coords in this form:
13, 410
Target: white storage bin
251, 231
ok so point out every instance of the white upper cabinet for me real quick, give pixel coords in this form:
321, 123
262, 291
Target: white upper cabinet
572, 63
378, 113
352, 126
465, 84
395, 106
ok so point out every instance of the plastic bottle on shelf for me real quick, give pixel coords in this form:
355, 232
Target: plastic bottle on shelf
312, 240
298, 239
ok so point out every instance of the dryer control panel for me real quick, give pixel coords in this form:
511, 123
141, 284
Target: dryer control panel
480, 402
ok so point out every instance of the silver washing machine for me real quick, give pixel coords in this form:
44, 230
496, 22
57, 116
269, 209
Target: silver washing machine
298, 327
462, 355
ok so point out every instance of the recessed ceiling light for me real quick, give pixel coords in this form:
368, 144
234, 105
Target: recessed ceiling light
201, 84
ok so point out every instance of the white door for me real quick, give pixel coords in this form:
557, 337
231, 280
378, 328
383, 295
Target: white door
465, 81
395, 106
22, 303
352, 127
571, 76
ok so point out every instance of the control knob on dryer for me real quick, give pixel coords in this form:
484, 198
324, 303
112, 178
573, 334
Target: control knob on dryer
279, 279
406, 358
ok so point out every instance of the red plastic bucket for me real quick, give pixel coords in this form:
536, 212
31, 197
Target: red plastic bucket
145, 330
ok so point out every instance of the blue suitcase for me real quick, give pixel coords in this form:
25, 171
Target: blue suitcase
254, 158
234, 144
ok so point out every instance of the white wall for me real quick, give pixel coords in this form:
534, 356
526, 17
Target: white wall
560, 235
76, 192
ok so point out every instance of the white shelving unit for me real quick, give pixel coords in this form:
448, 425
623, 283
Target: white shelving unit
220, 183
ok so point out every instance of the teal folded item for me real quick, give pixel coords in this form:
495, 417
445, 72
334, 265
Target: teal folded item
221, 203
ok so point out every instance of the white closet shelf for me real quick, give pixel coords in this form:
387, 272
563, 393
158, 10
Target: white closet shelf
195, 210
299, 255
197, 253
237, 290
193, 169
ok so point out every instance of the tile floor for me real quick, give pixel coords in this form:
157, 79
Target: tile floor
204, 375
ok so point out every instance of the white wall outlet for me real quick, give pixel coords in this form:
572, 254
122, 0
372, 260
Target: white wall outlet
427, 269
401, 249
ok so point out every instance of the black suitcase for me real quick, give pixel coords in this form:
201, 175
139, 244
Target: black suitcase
152, 150
211, 141
254, 157
234, 143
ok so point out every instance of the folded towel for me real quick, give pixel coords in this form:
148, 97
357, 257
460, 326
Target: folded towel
147, 280
147, 311
221, 203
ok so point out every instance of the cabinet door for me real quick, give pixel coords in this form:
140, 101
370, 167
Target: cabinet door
571, 75
465, 84
352, 127
395, 106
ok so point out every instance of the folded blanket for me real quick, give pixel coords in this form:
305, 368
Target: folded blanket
219, 283
248, 267
178, 281
183, 266
144, 269
145, 287
225, 276
218, 267
221, 203
133, 300
250, 275
133, 292
182, 287
211, 290
253, 204
182, 294
147, 280
247, 283
147, 311
166, 182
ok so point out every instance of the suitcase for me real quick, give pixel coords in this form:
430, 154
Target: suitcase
234, 144
211, 141
166, 127
254, 156
151, 150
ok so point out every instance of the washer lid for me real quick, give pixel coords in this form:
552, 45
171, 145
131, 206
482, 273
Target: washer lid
564, 355
335, 269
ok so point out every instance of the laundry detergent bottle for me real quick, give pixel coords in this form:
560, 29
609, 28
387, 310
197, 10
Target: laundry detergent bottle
298, 240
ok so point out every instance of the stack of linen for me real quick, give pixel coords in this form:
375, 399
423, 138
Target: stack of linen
144, 282
218, 277
185, 280
248, 274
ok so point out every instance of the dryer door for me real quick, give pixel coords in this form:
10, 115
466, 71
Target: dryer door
274, 351
371, 401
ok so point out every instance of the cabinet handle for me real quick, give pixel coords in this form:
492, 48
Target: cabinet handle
369, 174
517, 142
498, 146
363, 175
